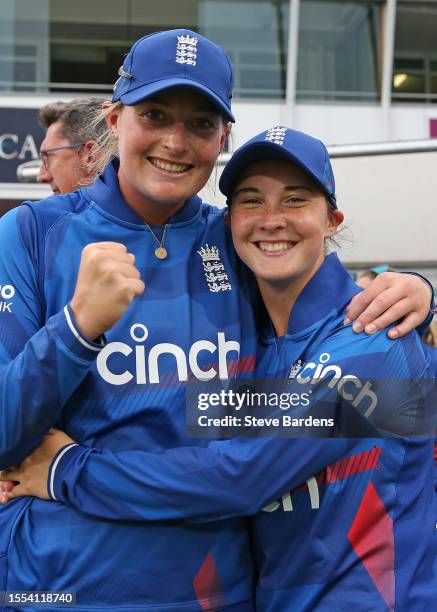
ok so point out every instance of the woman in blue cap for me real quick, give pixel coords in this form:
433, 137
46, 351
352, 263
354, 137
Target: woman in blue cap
116, 294
360, 531
84, 347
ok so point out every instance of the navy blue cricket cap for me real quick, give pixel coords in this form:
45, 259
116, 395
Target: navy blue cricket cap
282, 143
175, 58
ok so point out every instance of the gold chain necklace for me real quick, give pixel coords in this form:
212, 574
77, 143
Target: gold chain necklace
160, 251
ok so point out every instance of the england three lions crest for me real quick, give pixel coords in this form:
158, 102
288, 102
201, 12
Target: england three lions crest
215, 273
186, 50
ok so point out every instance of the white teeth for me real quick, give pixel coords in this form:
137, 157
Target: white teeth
275, 247
169, 167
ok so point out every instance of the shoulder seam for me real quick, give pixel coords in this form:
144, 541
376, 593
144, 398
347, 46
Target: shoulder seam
67, 214
35, 264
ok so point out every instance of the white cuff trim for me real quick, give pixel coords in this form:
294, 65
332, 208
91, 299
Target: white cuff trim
76, 333
53, 470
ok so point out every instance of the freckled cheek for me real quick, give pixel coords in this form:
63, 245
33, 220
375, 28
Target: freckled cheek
307, 227
242, 228
238, 233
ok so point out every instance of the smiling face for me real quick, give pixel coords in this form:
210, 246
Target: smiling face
168, 146
280, 220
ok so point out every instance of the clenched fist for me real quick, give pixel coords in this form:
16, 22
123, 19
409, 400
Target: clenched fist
107, 283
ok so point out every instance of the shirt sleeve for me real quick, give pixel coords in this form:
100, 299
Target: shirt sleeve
42, 362
238, 476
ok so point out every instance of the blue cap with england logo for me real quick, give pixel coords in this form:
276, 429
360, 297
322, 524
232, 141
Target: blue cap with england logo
175, 58
282, 143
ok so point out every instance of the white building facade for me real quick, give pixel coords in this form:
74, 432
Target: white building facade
347, 71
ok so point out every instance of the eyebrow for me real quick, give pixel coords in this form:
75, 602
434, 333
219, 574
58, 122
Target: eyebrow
256, 190
296, 187
245, 190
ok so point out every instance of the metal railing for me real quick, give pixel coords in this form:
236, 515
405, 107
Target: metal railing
27, 172
369, 149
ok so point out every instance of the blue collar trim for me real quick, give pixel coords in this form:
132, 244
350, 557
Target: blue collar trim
330, 288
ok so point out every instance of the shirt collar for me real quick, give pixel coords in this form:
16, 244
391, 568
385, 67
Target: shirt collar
105, 191
331, 288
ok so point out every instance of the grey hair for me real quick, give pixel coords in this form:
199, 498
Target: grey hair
77, 119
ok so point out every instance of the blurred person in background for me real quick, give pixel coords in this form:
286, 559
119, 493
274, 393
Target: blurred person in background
69, 148
366, 277
430, 340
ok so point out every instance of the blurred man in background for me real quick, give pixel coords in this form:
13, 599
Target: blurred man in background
366, 277
69, 148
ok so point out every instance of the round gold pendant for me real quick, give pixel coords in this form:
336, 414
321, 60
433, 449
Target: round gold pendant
161, 252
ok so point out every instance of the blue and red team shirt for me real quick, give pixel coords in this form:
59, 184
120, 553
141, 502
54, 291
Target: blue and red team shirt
359, 532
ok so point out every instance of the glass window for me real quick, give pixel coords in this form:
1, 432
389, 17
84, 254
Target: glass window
24, 45
65, 45
433, 84
339, 55
255, 35
415, 59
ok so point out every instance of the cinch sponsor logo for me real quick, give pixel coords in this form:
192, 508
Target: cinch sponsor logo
348, 386
286, 504
146, 369
342, 469
7, 292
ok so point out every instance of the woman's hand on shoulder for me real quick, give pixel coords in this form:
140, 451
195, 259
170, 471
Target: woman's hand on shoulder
390, 297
